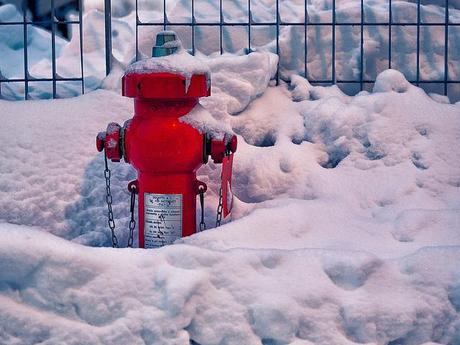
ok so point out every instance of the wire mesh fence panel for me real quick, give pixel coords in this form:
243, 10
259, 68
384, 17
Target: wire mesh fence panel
37, 73
343, 42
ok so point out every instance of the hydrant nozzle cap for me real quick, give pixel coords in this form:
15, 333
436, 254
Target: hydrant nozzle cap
167, 43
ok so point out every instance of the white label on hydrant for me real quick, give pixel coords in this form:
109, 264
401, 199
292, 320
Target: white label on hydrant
162, 219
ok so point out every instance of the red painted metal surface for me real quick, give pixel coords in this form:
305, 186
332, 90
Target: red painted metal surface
165, 151
164, 86
226, 185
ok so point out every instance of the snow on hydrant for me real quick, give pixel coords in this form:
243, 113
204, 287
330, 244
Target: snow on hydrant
165, 151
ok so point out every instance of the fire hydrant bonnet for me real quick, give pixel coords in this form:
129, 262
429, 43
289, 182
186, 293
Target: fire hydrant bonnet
169, 59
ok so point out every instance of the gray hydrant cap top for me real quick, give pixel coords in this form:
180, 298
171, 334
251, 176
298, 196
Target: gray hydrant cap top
167, 43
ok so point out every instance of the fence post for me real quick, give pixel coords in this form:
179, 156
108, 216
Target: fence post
108, 35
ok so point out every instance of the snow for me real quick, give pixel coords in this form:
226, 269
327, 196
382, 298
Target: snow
12, 54
58, 292
202, 120
236, 81
391, 80
344, 228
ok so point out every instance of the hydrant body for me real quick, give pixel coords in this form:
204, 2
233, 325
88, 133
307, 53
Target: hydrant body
165, 151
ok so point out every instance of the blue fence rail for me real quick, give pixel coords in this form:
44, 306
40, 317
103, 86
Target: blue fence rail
249, 25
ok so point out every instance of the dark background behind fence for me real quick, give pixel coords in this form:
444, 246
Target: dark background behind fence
56, 25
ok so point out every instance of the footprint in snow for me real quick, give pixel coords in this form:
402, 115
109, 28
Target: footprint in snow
418, 161
350, 276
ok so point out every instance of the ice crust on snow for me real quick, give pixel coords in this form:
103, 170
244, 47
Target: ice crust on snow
344, 228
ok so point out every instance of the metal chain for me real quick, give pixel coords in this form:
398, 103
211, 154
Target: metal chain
132, 221
108, 199
219, 209
202, 223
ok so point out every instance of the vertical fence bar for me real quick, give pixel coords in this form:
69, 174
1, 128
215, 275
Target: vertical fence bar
249, 25
193, 27
26, 63
390, 26
417, 78
221, 26
108, 36
53, 46
446, 48
137, 30
80, 19
361, 59
164, 15
333, 41
278, 41
305, 37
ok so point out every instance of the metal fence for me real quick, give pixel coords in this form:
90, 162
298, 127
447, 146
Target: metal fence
249, 25
334, 24
52, 22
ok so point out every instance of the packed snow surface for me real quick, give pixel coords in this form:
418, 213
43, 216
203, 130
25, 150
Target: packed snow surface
345, 228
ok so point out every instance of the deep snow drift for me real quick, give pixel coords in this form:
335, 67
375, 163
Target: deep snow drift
345, 228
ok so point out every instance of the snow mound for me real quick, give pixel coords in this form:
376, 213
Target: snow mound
237, 80
53, 291
391, 80
202, 120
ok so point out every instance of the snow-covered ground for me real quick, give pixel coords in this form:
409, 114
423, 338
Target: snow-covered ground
345, 230
292, 61
346, 220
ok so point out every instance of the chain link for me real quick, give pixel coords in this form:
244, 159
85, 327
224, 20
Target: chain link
219, 209
108, 199
202, 223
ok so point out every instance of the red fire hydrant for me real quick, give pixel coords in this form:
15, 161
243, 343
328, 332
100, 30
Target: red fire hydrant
165, 151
